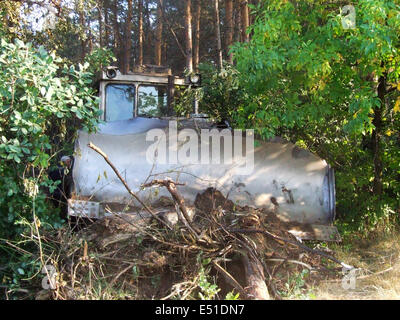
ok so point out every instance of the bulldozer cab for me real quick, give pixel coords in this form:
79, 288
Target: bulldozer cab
148, 92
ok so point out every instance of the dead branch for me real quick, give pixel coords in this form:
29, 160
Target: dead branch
290, 261
120, 274
298, 244
231, 280
171, 187
253, 236
363, 277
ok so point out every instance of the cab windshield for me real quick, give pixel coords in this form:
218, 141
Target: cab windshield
121, 101
152, 101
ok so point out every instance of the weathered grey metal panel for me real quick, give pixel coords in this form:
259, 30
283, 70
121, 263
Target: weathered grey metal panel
294, 183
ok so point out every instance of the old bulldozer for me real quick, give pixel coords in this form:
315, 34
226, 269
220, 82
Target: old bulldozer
145, 140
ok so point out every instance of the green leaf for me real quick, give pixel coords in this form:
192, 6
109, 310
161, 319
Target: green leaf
17, 159
49, 93
17, 115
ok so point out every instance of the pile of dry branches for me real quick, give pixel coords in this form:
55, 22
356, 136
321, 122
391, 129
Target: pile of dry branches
247, 250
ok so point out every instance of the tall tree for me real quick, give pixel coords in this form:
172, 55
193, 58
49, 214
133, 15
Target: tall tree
116, 31
245, 20
218, 33
128, 38
140, 32
100, 21
196, 47
106, 24
82, 24
147, 35
238, 21
188, 27
159, 30
229, 28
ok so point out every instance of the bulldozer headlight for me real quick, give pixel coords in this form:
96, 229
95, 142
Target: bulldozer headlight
195, 78
111, 73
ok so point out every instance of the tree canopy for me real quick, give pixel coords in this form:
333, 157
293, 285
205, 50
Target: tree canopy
334, 88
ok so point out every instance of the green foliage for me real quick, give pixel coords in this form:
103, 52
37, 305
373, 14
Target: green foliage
98, 59
221, 91
64, 39
10, 20
219, 95
295, 287
41, 104
208, 290
311, 80
302, 66
22, 269
232, 296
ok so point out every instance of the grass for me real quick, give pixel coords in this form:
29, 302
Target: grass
378, 257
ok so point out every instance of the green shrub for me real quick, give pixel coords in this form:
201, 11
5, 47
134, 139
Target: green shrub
42, 103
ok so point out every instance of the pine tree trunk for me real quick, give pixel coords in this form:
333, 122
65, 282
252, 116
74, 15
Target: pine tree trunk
140, 33
238, 21
158, 46
218, 33
117, 37
100, 20
196, 50
229, 28
82, 23
147, 36
106, 29
252, 17
90, 41
128, 38
188, 27
245, 20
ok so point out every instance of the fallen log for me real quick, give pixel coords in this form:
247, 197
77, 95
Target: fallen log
256, 287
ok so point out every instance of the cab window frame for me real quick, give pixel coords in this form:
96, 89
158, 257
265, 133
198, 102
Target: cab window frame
165, 98
135, 98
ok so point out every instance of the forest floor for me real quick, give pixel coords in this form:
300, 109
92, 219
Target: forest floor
380, 255
132, 268
138, 257
377, 259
